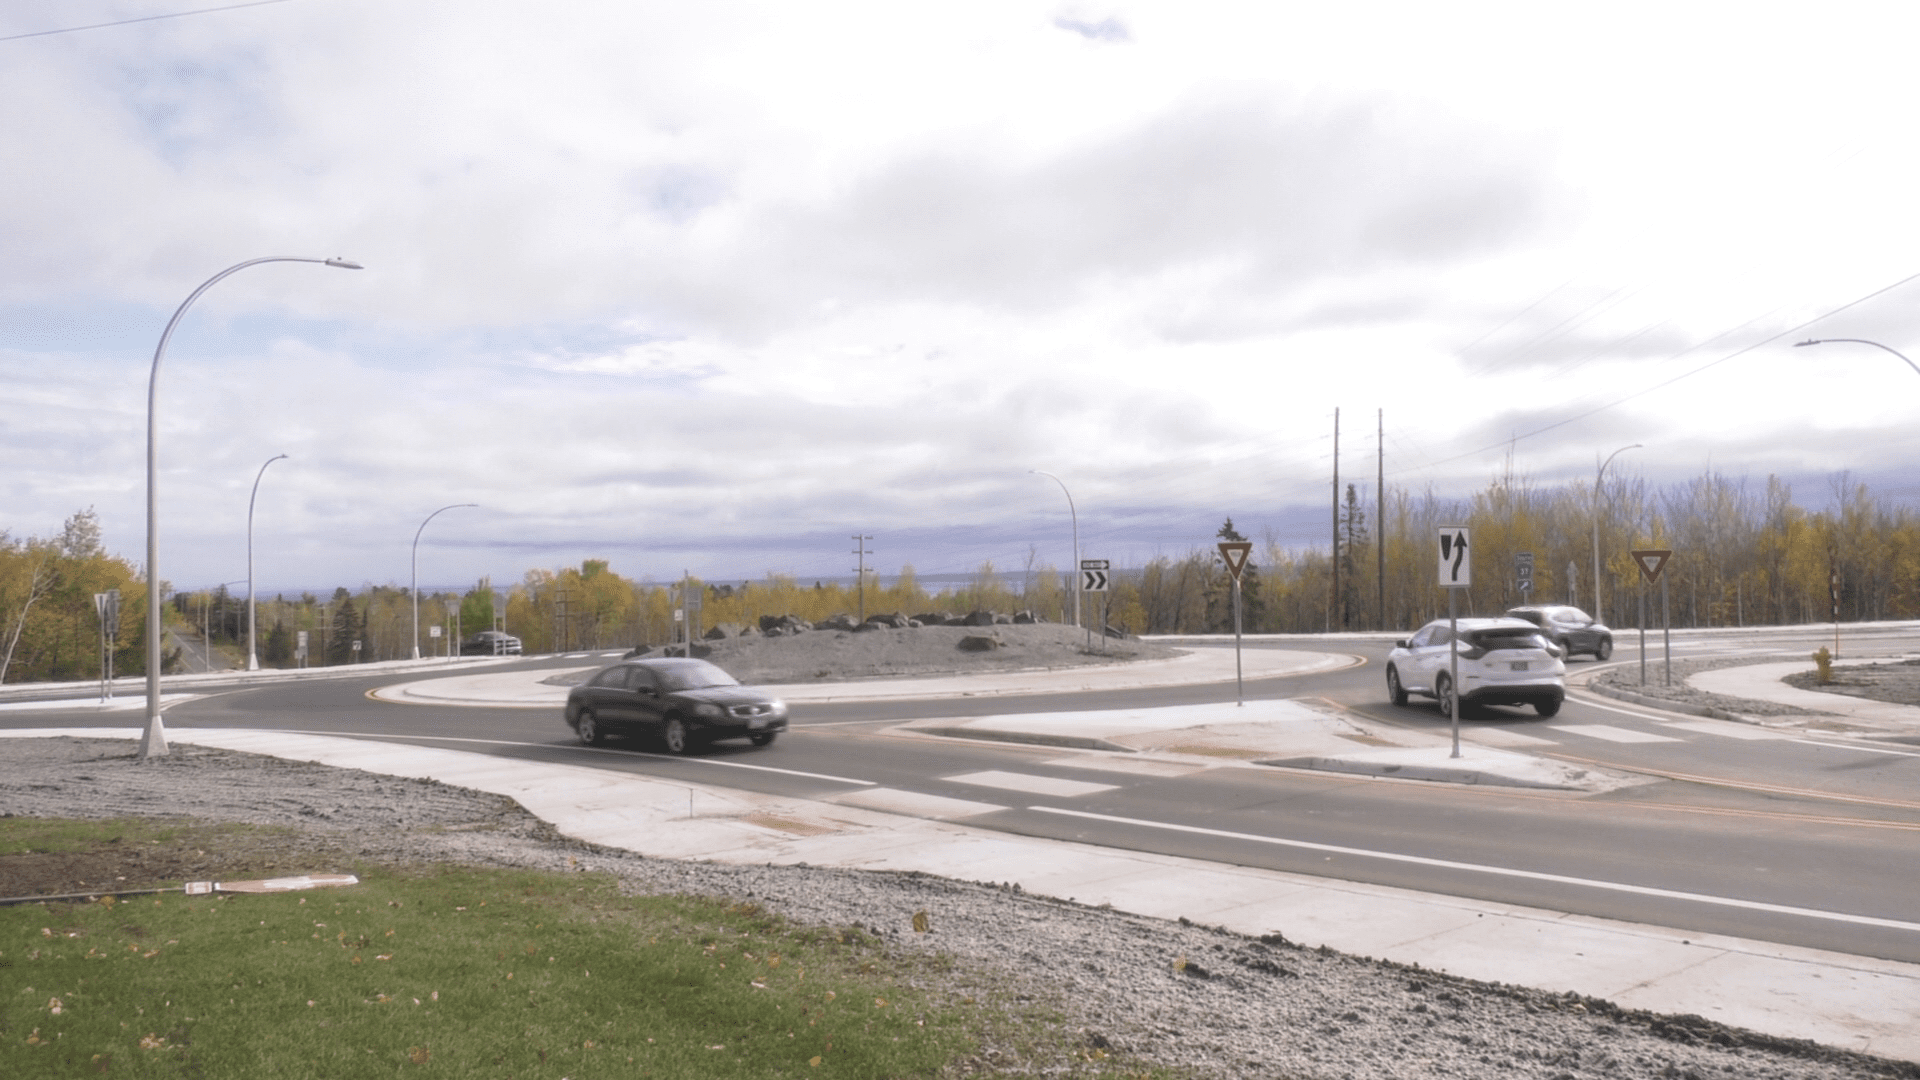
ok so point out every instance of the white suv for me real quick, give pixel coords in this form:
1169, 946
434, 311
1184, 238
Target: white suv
1502, 662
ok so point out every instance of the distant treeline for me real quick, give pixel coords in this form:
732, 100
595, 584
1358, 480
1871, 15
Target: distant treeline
1743, 555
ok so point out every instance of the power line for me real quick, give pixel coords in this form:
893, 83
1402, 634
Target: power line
141, 19
1789, 332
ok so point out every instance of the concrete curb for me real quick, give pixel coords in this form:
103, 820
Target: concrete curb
1027, 738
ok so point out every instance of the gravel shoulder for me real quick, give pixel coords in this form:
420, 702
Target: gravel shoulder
1189, 997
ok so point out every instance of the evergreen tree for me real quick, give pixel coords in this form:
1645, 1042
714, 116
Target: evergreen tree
1220, 590
1353, 547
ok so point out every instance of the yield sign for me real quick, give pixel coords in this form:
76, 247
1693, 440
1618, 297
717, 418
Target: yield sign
1235, 553
1651, 561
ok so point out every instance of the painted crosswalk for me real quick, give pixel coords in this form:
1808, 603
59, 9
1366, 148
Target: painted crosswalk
1610, 733
1032, 785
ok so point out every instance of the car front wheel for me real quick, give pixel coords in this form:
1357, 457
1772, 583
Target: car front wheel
1395, 692
589, 729
1604, 649
675, 736
763, 738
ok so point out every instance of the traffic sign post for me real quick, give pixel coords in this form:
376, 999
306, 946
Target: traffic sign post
1652, 561
1523, 571
1234, 553
1455, 568
107, 606
1094, 577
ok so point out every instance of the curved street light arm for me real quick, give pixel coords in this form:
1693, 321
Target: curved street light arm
154, 742
253, 653
1598, 614
1859, 341
415, 587
1073, 572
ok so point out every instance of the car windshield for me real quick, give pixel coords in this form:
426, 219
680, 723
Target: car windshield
1507, 637
694, 676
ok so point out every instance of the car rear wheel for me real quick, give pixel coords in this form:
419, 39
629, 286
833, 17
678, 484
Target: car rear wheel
675, 735
1604, 649
1443, 690
764, 738
1546, 708
588, 728
1395, 692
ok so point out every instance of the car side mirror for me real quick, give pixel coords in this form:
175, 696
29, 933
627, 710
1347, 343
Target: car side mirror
1401, 644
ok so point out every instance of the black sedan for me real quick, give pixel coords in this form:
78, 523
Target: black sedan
683, 701
490, 643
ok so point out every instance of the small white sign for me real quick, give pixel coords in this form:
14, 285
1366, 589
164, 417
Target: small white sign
433, 631
1456, 558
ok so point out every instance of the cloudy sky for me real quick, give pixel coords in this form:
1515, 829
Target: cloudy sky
716, 286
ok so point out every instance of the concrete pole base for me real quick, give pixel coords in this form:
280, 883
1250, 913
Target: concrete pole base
153, 744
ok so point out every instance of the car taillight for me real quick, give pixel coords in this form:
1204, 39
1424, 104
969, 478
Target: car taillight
1470, 652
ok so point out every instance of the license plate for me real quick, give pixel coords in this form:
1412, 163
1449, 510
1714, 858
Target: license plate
756, 721
1519, 665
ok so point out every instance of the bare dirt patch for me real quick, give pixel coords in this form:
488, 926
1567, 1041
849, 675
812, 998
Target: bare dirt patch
842, 655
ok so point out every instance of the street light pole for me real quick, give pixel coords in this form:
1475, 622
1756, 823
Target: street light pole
1073, 572
1859, 341
1598, 592
253, 653
154, 742
416, 571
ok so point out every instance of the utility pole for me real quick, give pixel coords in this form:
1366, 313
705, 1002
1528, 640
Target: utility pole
1333, 606
860, 570
1380, 517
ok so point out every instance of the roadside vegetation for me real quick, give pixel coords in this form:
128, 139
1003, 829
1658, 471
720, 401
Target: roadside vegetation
1746, 554
470, 972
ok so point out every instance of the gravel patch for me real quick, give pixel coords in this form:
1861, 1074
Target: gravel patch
1894, 683
1204, 1000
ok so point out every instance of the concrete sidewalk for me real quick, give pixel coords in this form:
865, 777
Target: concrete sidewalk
1762, 682
1853, 1002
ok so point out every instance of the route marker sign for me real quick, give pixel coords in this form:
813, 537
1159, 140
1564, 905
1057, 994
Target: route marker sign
1235, 553
1093, 575
1651, 561
1523, 569
1456, 563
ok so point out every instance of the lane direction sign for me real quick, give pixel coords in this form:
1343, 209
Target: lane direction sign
1235, 553
1651, 561
1094, 576
1456, 560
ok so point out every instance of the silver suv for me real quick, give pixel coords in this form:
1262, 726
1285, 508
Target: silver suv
1502, 662
1573, 630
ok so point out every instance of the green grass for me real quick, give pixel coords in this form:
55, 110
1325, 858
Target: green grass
456, 973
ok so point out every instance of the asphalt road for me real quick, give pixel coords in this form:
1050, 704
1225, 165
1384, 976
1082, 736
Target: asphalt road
1801, 840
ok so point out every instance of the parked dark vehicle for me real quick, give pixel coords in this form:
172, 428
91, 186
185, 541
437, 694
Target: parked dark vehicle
1568, 627
490, 643
685, 702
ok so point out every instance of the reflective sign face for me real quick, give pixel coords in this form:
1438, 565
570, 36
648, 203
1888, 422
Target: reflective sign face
1456, 558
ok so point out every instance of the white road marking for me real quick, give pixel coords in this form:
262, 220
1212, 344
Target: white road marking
1865, 747
1032, 785
914, 804
1725, 729
1502, 871
1615, 734
1504, 737
1123, 763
